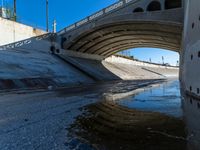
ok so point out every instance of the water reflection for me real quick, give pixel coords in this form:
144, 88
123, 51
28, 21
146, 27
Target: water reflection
110, 126
165, 99
191, 107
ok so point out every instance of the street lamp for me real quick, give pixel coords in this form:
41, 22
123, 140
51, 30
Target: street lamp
47, 15
54, 26
163, 60
15, 11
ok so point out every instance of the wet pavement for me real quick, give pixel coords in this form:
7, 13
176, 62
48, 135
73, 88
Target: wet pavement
143, 121
40, 119
84, 119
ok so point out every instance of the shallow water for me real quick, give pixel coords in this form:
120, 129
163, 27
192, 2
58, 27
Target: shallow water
164, 99
148, 120
60, 120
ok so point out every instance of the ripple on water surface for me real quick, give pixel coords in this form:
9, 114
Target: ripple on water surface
164, 99
109, 126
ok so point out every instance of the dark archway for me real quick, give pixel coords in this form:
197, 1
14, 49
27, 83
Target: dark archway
170, 4
154, 6
139, 9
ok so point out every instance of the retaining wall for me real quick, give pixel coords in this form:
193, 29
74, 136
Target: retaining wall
13, 31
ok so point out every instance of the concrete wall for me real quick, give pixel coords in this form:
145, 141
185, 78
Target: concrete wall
190, 72
116, 59
13, 31
191, 49
130, 69
117, 68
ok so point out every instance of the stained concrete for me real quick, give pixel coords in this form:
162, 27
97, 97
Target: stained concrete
34, 64
37, 68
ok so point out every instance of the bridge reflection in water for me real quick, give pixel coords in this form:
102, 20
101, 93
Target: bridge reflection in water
191, 108
164, 99
137, 124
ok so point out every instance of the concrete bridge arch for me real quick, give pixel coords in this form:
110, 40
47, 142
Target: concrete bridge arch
129, 25
123, 25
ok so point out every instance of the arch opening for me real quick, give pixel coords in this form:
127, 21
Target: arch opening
126, 36
139, 9
154, 6
164, 57
171, 4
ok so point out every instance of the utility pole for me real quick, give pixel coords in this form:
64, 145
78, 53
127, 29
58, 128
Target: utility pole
47, 15
15, 10
163, 60
54, 26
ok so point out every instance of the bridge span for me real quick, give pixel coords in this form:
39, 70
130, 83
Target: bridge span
127, 24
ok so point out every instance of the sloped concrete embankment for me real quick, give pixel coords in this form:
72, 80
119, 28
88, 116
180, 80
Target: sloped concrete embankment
35, 69
32, 66
121, 68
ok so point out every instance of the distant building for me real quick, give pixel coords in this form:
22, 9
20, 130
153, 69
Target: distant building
5, 13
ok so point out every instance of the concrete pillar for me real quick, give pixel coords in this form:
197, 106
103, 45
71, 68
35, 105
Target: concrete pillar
190, 57
162, 2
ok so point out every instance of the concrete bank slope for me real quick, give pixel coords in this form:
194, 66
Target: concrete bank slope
26, 67
128, 69
115, 68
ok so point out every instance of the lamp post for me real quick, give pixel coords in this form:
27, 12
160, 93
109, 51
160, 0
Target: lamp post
54, 26
163, 60
15, 10
47, 15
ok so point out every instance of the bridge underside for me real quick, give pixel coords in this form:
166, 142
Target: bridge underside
112, 38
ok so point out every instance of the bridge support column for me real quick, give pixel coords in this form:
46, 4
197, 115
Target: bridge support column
190, 61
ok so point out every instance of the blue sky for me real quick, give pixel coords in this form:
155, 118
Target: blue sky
66, 12
156, 55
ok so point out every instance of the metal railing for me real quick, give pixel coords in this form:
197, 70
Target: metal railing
26, 41
107, 10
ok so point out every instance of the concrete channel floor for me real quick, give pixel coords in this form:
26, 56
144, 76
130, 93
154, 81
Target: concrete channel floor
39, 120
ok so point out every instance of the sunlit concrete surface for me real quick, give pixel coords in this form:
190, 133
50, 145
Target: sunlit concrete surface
13, 31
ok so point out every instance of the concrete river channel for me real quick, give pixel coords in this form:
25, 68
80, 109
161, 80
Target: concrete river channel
124, 115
